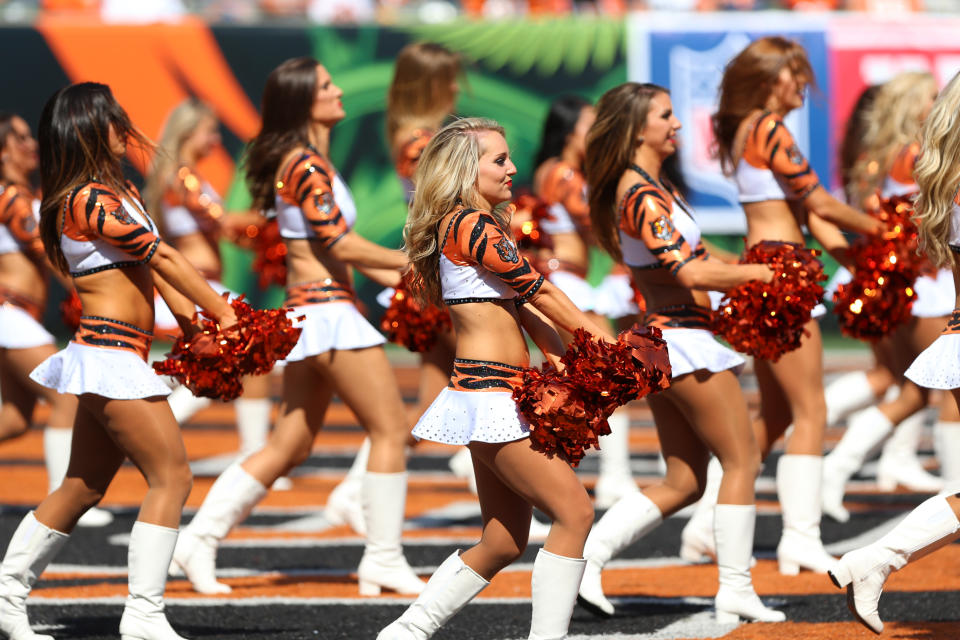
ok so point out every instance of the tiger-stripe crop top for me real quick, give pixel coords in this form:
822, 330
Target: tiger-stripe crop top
655, 232
565, 189
479, 261
191, 206
19, 222
313, 201
99, 230
772, 167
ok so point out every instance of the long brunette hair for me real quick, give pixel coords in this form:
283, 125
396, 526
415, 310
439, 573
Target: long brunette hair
285, 110
747, 81
621, 119
560, 123
74, 140
422, 87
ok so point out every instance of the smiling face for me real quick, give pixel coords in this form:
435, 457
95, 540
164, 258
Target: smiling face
788, 91
327, 107
19, 151
496, 169
660, 131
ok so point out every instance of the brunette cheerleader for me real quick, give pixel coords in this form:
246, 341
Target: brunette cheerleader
644, 223
935, 522
779, 191
190, 216
338, 351
24, 343
458, 240
98, 230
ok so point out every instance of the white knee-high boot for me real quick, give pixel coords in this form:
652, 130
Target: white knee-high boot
798, 478
696, 539
866, 431
383, 565
615, 479
899, 464
184, 404
253, 423
846, 394
632, 517
56, 455
555, 582
230, 500
863, 572
31, 549
344, 503
148, 556
733, 528
449, 589
947, 444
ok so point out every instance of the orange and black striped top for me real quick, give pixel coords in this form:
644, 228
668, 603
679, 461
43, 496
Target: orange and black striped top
772, 166
100, 230
307, 184
19, 231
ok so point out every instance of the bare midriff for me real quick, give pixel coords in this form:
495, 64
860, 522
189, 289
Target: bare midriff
490, 331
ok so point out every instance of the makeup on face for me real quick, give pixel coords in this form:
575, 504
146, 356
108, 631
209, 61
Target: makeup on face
496, 169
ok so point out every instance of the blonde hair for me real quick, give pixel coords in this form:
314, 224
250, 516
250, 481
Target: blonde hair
446, 176
180, 125
421, 89
621, 118
938, 173
893, 121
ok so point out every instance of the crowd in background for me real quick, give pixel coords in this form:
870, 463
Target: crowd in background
390, 11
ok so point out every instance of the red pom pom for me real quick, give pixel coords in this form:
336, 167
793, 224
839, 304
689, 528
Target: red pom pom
405, 323
526, 223
568, 410
767, 320
71, 310
270, 255
880, 296
212, 361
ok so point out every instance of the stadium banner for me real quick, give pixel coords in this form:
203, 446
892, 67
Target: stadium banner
514, 70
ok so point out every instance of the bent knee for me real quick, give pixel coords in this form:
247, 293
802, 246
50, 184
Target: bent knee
77, 492
577, 515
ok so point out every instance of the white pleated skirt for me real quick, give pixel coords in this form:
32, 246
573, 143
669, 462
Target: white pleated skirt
459, 417
19, 330
938, 366
112, 373
695, 349
614, 296
331, 326
936, 296
576, 288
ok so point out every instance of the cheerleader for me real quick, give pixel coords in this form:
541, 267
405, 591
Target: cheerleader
24, 343
190, 216
644, 223
338, 351
885, 169
934, 523
559, 181
99, 232
779, 191
459, 242
422, 94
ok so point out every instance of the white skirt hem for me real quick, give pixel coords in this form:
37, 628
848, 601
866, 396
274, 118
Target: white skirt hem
459, 417
111, 373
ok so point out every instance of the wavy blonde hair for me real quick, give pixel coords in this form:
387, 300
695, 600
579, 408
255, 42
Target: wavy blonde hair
893, 122
938, 173
446, 176
180, 125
